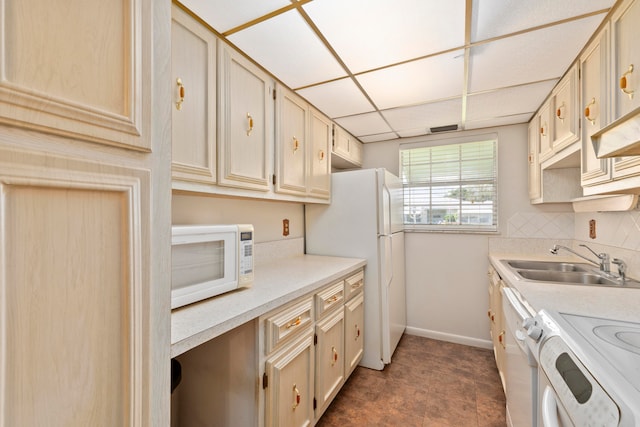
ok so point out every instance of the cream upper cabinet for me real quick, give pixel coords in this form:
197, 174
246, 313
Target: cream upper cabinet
292, 142
193, 127
346, 150
319, 177
594, 80
565, 96
97, 57
544, 120
245, 122
625, 79
534, 164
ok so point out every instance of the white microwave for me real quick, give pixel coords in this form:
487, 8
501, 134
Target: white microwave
208, 260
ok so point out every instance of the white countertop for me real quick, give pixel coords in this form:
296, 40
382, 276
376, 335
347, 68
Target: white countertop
589, 300
276, 283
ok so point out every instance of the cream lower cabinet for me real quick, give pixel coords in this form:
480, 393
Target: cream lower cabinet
496, 320
310, 348
193, 119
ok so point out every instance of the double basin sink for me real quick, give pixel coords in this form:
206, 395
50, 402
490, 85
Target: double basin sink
571, 273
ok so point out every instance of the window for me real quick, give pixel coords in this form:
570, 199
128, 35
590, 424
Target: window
451, 187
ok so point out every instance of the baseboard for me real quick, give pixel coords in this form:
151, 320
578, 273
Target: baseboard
442, 336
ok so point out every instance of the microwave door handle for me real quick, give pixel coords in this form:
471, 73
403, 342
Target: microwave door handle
549, 408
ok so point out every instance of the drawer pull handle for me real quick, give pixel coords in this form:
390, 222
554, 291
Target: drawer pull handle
294, 323
356, 285
334, 356
296, 397
180, 94
560, 112
624, 82
589, 111
249, 124
332, 299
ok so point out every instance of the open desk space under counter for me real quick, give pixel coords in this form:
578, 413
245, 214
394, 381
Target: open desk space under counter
241, 351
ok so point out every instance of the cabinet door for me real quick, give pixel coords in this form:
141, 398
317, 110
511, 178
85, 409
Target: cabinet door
291, 143
355, 151
289, 394
545, 132
594, 81
565, 117
245, 117
353, 332
625, 78
319, 179
341, 142
79, 68
193, 121
329, 358
74, 291
534, 164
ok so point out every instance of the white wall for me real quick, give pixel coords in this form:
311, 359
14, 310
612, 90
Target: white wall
446, 273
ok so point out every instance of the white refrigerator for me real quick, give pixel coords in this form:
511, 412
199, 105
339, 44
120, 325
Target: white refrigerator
365, 220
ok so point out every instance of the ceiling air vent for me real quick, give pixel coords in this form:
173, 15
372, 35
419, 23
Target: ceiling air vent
446, 128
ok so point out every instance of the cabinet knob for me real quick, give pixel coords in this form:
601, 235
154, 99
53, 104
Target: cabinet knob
321, 155
296, 397
357, 333
624, 82
249, 124
590, 111
180, 94
334, 356
296, 144
543, 130
560, 111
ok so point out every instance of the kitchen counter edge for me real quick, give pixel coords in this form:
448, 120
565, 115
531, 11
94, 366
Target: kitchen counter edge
276, 283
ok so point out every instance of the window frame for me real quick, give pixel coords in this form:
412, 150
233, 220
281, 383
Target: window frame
454, 228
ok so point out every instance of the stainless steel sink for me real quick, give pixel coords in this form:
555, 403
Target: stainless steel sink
548, 265
565, 273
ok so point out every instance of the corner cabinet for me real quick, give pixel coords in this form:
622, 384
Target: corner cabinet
193, 119
84, 165
245, 120
346, 150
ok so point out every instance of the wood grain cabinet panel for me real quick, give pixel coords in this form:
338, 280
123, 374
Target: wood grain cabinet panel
78, 68
73, 290
193, 120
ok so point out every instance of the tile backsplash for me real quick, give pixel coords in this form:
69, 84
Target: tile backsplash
559, 225
619, 229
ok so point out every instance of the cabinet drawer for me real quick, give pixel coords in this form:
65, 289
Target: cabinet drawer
353, 284
329, 298
287, 322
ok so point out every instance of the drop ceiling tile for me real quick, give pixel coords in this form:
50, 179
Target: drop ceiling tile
287, 47
499, 121
364, 124
369, 34
416, 82
508, 101
492, 18
425, 116
224, 15
379, 137
534, 56
338, 98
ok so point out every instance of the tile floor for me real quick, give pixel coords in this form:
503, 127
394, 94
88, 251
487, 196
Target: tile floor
429, 383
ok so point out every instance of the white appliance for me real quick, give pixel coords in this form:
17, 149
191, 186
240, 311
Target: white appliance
521, 367
589, 370
365, 220
207, 260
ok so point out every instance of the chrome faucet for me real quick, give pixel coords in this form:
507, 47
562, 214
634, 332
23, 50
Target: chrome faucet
603, 258
622, 269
